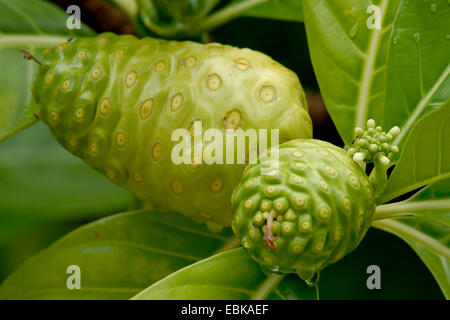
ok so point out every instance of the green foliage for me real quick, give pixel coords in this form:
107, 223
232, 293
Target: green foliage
425, 157
290, 10
397, 75
425, 227
349, 59
34, 188
181, 18
118, 256
31, 24
418, 65
213, 278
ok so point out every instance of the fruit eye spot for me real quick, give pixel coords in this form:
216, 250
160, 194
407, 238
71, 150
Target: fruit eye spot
130, 79
258, 219
73, 142
96, 73
329, 170
93, 147
268, 94
119, 53
160, 66
66, 84
346, 204
323, 153
177, 187
248, 204
324, 186
157, 151
177, 102
242, 64
319, 245
297, 179
299, 165
189, 62
145, 47
213, 82
324, 213
353, 180
337, 235
286, 228
297, 248
305, 226
297, 154
48, 79
79, 113
137, 177
102, 41
290, 215
110, 174
271, 190
53, 116
299, 201
82, 54
105, 106
121, 139
253, 233
63, 46
216, 185
232, 119
46, 51
248, 184
146, 108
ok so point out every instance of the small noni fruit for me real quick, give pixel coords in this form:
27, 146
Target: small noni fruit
115, 101
312, 209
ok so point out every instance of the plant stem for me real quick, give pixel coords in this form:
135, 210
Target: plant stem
129, 7
209, 6
408, 233
266, 288
405, 208
224, 15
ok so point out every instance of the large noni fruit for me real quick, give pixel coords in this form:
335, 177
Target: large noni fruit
312, 209
114, 101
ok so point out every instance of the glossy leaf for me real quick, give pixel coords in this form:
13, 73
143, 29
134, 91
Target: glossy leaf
31, 24
229, 275
425, 157
349, 58
118, 257
418, 64
42, 183
427, 230
290, 10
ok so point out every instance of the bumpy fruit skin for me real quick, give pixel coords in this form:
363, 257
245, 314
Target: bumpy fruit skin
321, 203
114, 101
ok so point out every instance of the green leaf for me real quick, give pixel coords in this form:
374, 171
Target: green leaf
31, 24
418, 64
290, 10
118, 257
42, 183
425, 157
427, 231
349, 59
230, 275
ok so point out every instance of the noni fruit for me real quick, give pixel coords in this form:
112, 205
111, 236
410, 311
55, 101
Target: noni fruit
312, 209
115, 101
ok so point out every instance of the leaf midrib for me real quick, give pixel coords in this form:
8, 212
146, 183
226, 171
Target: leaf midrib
366, 76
